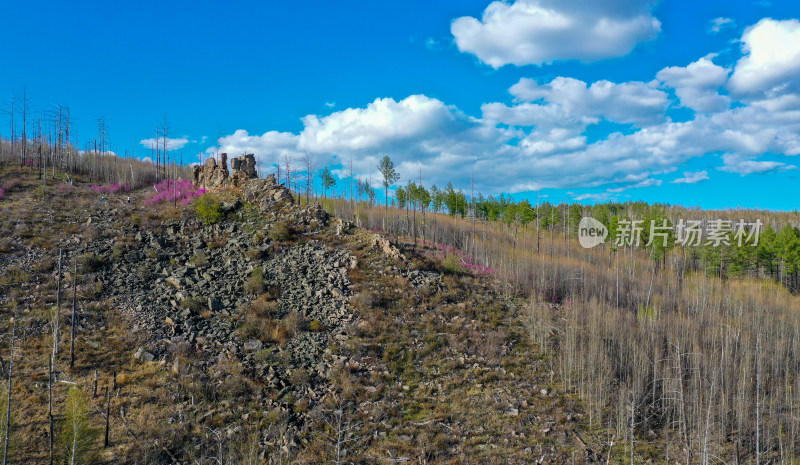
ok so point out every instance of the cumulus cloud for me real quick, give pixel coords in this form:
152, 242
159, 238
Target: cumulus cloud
595, 196
417, 132
737, 163
270, 148
536, 32
692, 177
172, 144
628, 103
383, 121
770, 67
697, 85
540, 138
716, 25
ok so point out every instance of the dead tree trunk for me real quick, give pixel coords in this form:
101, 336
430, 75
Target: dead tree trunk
72, 333
50, 404
108, 416
10, 379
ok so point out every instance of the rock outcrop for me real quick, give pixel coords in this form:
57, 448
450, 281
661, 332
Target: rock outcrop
212, 175
385, 247
264, 193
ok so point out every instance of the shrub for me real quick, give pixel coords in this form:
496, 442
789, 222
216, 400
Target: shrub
452, 264
208, 209
78, 436
280, 232
111, 188
92, 262
256, 282
173, 190
299, 377
199, 259
192, 303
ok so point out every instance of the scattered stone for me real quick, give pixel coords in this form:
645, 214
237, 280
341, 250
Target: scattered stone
384, 246
143, 355
252, 345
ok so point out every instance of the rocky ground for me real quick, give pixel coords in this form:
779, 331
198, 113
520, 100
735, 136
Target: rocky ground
278, 335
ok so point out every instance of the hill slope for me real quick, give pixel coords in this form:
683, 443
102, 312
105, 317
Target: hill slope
277, 335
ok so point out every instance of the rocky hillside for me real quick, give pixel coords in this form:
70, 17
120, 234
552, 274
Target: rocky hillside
271, 334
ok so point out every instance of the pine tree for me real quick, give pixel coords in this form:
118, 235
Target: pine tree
390, 175
327, 179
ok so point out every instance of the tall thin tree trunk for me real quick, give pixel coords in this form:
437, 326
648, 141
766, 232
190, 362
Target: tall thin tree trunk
10, 379
108, 416
72, 334
50, 403
56, 318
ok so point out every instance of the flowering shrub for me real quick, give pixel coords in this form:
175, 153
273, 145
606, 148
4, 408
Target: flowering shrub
175, 189
455, 257
2, 191
111, 189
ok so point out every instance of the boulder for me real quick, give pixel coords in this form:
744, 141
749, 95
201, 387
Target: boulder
252, 345
384, 246
244, 166
143, 355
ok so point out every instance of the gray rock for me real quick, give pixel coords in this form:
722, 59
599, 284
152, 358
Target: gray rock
143, 355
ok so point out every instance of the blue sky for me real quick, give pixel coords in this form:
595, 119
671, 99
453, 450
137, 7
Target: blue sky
693, 103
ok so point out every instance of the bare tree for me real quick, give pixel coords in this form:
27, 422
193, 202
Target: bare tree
56, 321
50, 403
10, 379
342, 437
25, 108
310, 165
72, 333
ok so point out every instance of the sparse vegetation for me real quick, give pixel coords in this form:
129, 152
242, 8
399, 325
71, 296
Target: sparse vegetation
280, 232
208, 209
524, 345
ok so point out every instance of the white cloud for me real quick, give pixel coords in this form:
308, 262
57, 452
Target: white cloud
716, 25
736, 163
597, 196
542, 31
698, 84
382, 122
270, 148
433, 44
417, 132
650, 182
534, 114
770, 66
692, 178
628, 103
543, 138
172, 144
330, 104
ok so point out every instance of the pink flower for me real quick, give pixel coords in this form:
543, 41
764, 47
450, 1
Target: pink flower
173, 190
